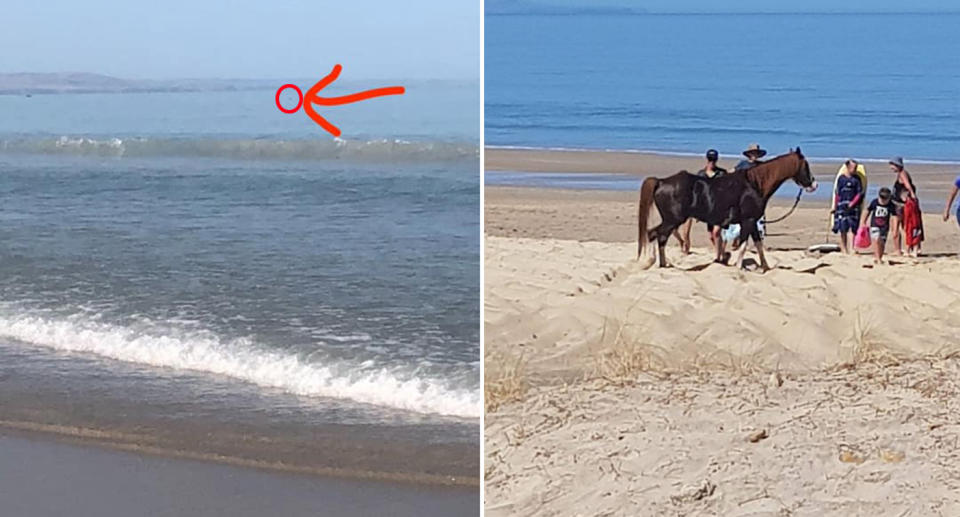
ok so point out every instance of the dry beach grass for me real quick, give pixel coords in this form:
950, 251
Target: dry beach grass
849, 441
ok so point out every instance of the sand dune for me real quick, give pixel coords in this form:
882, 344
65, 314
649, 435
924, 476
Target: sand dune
864, 422
561, 303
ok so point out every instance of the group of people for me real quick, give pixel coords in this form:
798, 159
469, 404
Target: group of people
895, 211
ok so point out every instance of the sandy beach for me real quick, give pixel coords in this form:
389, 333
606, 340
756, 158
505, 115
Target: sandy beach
643, 163
823, 387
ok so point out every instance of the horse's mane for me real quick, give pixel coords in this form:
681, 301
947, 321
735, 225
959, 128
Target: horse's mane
768, 175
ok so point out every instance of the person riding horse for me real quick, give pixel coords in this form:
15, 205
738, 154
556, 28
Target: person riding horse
737, 198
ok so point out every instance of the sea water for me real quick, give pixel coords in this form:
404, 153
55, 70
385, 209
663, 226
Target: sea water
205, 246
863, 86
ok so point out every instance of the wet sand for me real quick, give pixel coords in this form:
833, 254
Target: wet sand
933, 176
131, 408
41, 477
611, 216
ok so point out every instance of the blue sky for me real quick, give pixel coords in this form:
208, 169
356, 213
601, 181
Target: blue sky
165, 39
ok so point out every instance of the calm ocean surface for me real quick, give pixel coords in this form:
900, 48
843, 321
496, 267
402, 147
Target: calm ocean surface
205, 246
868, 86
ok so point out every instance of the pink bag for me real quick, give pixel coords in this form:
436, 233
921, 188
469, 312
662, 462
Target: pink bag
862, 239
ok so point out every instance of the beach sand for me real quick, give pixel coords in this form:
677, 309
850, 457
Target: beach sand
870, 440
41, 477
614, 389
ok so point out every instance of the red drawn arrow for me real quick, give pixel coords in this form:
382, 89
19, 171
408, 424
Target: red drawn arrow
311, 98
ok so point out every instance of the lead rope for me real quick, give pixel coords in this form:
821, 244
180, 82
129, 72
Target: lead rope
794, 207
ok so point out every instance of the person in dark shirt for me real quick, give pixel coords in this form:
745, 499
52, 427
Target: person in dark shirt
880, 213
710, 170
903, 189
847, 214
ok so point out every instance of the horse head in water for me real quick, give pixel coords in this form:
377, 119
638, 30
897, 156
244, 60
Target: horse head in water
737, 198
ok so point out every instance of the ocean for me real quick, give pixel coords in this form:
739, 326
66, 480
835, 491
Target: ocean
863, 86
203, 256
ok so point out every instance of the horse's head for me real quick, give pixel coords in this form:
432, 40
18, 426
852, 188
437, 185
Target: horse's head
804, 177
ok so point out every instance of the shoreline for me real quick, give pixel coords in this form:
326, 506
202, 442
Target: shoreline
59, 477
222, 420
699, 154
649, 163
618, 170
154, 446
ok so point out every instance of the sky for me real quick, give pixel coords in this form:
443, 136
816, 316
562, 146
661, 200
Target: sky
269, 39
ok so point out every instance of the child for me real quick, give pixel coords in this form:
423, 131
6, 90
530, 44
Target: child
880, 211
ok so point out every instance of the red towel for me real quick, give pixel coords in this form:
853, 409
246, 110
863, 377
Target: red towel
862, 239
912, 222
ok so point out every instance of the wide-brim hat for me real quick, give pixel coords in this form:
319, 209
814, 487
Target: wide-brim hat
755, 148
897, 160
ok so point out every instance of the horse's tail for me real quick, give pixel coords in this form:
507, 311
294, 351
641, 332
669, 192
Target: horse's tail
643, 212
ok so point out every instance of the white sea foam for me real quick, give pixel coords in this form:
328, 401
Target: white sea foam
378, 150
241, 359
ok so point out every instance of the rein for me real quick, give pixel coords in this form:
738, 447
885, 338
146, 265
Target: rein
795, 201
794, 207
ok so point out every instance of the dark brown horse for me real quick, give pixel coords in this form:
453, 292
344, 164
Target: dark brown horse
736, 198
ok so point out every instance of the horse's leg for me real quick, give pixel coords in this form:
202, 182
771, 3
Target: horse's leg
742, 249
763, 259
683, 235
718, 244
661, 234
653, 234
661, 246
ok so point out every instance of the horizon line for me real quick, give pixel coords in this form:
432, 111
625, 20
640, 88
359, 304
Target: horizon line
236, 78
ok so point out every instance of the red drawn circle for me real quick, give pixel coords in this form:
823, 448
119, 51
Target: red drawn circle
299, 98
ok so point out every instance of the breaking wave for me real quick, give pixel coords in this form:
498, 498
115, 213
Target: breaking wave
242, 359
380, 150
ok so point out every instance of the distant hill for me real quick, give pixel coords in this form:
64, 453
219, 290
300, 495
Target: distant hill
506, 7
82, 82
